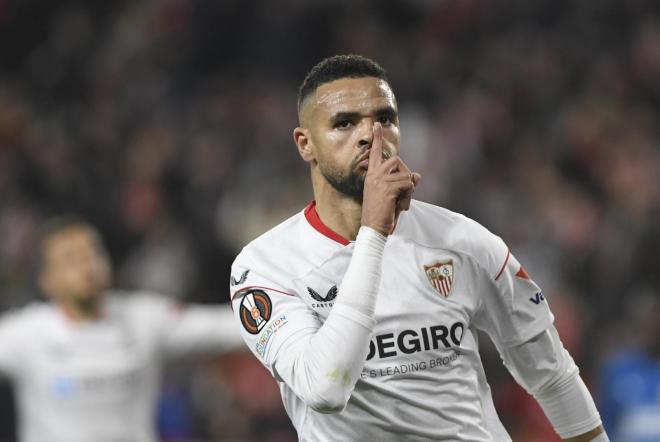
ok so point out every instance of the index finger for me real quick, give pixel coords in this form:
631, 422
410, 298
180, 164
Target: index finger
376, 154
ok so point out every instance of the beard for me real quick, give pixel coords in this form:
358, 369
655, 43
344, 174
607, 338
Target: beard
349, 183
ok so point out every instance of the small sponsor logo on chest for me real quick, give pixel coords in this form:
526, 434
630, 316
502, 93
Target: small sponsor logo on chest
323, 301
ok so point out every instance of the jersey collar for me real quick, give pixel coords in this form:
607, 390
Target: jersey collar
313, 219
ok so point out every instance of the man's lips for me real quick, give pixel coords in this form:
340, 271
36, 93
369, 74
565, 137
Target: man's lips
363, 160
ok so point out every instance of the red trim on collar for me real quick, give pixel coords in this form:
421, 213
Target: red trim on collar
313, 219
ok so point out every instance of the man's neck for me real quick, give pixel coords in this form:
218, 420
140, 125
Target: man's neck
82, 311
339, 212
342, 216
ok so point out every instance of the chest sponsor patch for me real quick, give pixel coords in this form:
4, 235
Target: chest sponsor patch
256, 308
441, 276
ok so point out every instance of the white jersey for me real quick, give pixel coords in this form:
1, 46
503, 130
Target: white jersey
443, 277
98, 381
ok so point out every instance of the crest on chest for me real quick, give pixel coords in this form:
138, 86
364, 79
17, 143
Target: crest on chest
441, 276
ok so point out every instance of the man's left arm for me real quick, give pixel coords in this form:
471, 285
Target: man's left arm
547, 371
516, 315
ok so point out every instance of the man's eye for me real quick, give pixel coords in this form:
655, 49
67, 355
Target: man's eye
385, 120
343, 124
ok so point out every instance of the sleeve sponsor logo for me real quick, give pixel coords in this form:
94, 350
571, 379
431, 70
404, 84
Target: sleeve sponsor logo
241, 279
256, 308
264, 338
538, 298
323, 301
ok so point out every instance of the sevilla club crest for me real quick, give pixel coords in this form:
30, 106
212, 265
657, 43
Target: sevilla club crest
441, 276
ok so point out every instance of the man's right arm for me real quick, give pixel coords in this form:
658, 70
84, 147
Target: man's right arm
322, 363
326, 365
319, 362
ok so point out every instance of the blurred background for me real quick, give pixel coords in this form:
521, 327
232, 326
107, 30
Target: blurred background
167, 124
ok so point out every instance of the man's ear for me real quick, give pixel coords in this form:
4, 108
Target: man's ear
304, 143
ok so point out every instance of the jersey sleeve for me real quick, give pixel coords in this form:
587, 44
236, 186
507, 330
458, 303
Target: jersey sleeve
195, 329
319, 361
543, 367
181, 329
10, 344
513, 308
268, 314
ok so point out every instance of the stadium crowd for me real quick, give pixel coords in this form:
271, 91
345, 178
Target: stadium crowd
167, 124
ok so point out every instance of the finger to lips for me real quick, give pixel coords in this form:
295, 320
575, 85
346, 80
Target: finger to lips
398, 176
376, 154
416, 177
400, 166
392, 164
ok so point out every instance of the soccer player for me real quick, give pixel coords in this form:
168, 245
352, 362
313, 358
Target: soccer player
365, 305
86, 366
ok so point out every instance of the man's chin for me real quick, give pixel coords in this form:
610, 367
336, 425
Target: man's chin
91, 294
351, 186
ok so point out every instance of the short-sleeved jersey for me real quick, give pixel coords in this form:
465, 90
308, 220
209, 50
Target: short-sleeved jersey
443, 277
98, 381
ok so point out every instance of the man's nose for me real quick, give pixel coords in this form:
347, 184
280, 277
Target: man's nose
367, 134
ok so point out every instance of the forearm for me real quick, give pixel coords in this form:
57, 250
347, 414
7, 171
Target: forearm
323, 367
595, 435
546, 370
570, 408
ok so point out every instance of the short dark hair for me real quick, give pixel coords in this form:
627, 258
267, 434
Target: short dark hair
337, 67
60, 223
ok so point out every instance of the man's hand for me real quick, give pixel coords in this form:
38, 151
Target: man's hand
388, 187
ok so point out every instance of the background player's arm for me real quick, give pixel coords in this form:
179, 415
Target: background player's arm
195, 329
9, 344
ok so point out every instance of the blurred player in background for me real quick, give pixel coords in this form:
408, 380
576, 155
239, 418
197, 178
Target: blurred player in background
365, 305
87, 365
